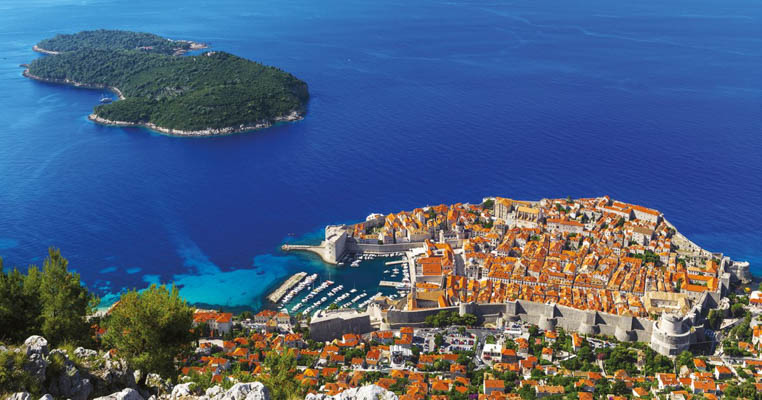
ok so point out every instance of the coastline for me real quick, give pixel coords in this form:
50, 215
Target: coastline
44, 51
193, 47
230, 130
69, 82
294, 116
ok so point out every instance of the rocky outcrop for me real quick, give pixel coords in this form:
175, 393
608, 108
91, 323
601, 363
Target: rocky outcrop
20, 396
157, 385
36, 348
67, 382
245, 391
114, 375
182, 390
369, 392
84, 353
125, 394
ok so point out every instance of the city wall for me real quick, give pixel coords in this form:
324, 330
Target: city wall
546, 316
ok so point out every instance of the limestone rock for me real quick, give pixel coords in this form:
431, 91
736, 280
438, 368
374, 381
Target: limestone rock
214, 391
157, 385
84, 353
36, 345
245, 391
113, 376
369, 392
20, 396
46, 397
125, 394
182, 390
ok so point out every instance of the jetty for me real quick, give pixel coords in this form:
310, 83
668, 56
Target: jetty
395, 262
398, 285
286, 286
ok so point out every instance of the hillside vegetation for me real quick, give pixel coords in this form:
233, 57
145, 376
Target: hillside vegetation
113, 40
215, 90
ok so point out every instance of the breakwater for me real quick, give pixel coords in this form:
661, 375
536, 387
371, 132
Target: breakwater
278, 293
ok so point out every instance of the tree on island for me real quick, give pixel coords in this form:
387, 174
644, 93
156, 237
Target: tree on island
150, 328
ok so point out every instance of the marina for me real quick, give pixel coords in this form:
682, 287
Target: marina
359, 278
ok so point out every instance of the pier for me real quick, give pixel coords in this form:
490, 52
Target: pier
286, 286
395, 262
397, 285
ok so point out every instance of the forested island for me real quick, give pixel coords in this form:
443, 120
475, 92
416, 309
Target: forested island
208, 94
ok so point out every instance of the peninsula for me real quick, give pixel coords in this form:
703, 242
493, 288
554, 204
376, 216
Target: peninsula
164, 90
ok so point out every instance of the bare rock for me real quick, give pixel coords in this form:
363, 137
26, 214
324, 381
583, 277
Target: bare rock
36, 345
245, 391
20, 396
67, 381
369, 392
125, 394
157, 385
214, 391
84, 353
182, 390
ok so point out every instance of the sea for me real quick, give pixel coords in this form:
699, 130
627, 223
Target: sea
413, 103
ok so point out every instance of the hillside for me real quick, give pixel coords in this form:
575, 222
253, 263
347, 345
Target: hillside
103, 39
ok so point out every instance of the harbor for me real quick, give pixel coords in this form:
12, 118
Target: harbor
352, 282
281, 291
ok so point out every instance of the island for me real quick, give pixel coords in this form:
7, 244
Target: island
161, 88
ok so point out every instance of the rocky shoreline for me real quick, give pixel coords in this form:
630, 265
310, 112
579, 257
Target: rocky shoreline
69, 82
193, 46
294, 116
44, 51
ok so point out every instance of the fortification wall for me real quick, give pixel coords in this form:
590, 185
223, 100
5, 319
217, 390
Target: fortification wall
546, 316
354, 247
334, 328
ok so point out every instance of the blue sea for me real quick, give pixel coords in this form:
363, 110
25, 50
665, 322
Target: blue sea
413, 103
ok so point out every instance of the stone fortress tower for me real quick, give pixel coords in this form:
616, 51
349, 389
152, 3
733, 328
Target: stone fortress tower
669, 335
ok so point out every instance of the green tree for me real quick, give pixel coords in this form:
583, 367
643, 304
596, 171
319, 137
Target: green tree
19, 311
715, 319
150, 328
737, 310
65, 302
280, 380
52, 303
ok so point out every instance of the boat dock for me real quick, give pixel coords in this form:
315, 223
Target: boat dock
398, 285
395, 262
286, 286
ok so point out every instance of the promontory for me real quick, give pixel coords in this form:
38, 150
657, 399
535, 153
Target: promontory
161, 88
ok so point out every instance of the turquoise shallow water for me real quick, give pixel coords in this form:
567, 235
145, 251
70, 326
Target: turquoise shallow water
413, 103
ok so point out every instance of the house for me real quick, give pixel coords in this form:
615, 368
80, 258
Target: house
639, 392
491, 353
722, 372
383, 337
493, 385
699, 364
548, 390
508, 356
547, 354
218, 323
703, 386
667, 381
